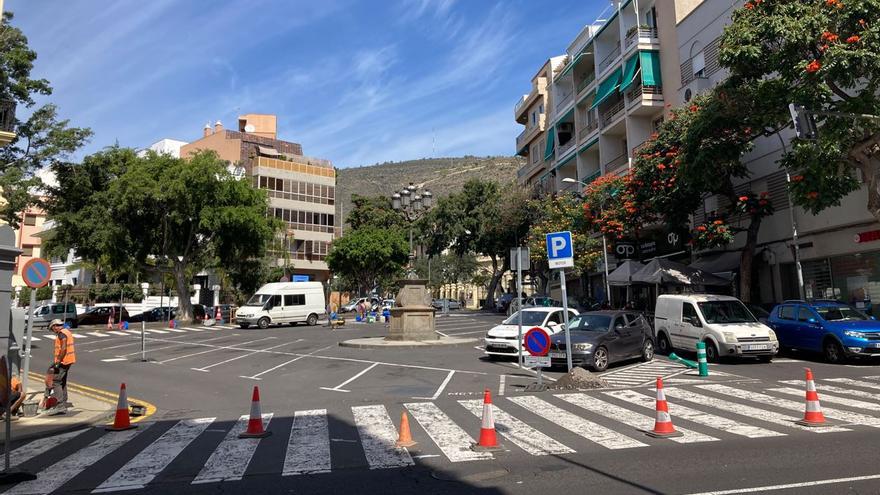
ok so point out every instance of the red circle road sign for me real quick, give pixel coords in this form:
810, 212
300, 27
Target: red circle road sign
537, 341
36, 273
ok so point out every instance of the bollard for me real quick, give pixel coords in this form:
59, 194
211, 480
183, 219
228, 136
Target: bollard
687, 362
702, 365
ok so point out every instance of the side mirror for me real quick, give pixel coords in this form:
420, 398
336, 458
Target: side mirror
812, 321
619, 328
874, 318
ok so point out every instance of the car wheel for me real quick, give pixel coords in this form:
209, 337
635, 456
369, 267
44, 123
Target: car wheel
712, 352
647, 350
833, 352
663, 345
313, 320
263, 322
244, 325
600, 359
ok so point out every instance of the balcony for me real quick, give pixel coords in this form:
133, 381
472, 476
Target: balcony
565, 99
641, 33
7, 121
611, 57
586, 82
587, 129
563, 148
519, 104
590, 178
616, 162
609, 114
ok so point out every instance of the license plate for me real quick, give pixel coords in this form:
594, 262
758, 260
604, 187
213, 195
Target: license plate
756, 347
875, 345
557, 355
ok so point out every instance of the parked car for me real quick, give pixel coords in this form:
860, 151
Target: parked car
723, 323
451, 304
601, 338
283, 302
99, 315
502, 340
535, 302
371, 302
156, 314
837, 330
760, 313
387, 304
503, 302
48, 312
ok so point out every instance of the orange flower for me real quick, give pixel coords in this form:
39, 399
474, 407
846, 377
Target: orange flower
749, 6
797, 178
813, 66
718, 222
701, 228
829, 36
694, 108
743, 198
862, 22
853, 39
812, 195
661, 167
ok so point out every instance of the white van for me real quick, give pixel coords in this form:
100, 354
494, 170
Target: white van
723, 322
283, 302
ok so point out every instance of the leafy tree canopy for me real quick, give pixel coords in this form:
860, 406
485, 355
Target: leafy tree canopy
368, 255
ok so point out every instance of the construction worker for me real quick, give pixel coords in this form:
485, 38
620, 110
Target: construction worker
65, 357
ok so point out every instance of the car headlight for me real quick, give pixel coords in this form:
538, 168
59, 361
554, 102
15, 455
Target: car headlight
730, 337
772, 335
853, 333
582, 347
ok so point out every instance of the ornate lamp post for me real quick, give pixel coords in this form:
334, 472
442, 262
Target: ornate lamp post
413, 202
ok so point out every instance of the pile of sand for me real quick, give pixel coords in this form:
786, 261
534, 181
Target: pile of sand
578, 379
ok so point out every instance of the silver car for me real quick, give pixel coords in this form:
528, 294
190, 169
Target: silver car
48, 312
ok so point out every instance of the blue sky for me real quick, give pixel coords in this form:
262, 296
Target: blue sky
357, 82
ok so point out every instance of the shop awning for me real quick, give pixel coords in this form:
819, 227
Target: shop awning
623, 274
718, 262
629, 72
266, 151
607, 88
663, 271
650, 61
551, 141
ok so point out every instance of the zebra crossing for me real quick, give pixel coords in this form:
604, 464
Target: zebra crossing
103, 334
643, 373
204, 450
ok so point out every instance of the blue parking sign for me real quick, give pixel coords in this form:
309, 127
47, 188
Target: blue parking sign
560, 252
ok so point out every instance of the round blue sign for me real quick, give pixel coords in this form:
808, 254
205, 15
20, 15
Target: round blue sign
537, 341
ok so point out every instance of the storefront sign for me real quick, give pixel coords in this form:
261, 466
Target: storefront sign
870, 236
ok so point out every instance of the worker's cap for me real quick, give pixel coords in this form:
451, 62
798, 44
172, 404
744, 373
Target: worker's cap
56, 321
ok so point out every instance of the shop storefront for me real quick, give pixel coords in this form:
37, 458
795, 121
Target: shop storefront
852, 278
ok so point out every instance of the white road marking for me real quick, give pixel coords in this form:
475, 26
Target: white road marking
98, 334
154, 349
114, 360
788, 486
849, 417
700, 417
117, 332
34, 338
176, 330
132, 332
629, 418
855, 383
30, 450
231, 458
519, 433
440, 389
206, 368
193, 329
749, 411
593, 432
212, 349
153, 330
378, 438
832, 399
152, 460
529, 370
79, 335
50, 479
339, 388
456, 334
258, 375
308, 448
501, 380
838, 390
453, 441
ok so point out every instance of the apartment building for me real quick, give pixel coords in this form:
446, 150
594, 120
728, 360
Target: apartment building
28, 240
532, 111
301, 189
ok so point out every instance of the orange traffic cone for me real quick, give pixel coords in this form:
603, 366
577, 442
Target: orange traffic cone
171, 324
404, 439
663, 425
255, 423
488, 440
122, 421
110, 322
217, 315
813, 410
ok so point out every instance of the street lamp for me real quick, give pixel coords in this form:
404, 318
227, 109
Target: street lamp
570, 180
413, 202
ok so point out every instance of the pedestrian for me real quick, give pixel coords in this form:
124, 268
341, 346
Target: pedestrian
64, 358
16, 397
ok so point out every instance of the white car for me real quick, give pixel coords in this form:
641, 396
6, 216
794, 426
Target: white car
503, 339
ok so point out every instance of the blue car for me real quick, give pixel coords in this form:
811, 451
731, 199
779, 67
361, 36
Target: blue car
835, 329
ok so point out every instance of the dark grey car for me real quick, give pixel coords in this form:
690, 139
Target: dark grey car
601, 338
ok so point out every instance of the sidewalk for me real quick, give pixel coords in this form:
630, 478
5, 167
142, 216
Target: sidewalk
86, 411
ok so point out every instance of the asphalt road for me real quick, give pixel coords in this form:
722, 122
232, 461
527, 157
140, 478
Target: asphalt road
333, 410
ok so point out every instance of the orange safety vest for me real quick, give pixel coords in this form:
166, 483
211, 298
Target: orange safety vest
70, 357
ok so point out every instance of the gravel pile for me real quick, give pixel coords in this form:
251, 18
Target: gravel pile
578, 379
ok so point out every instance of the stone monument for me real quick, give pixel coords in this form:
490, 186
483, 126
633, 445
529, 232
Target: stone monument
412, 318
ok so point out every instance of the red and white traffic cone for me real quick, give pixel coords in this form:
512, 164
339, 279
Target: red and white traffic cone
255, 423
488, 439
663, 425
122, 421
110, 322
218, 316
813, 410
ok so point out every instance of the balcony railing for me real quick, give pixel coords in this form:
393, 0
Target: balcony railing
609, 58
587, 129
636, 91
565, 100
640, 33
609, 114
519, 103
586, 82
616, 162
7, 115
519, 139
565, 147
590, 178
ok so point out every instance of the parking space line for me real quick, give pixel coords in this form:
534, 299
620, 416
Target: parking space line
544, 375
117, 332
501, 379
762, 489
160, 348
206, 368
98, 334
117, 346
438, 332
214, 349
339, 388
258, 375
439, 390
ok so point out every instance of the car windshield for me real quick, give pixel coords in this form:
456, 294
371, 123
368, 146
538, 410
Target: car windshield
840, 313
725, 312
528, 318
258, 299
590, 323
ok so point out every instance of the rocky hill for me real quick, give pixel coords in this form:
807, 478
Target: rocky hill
441, 175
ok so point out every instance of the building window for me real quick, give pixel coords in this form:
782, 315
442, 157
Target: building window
27, 250
534, 118
541, 109
30, 219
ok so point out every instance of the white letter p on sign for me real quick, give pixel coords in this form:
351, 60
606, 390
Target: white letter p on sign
556, 244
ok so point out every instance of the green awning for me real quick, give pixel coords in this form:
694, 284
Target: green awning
629, 73
607, 88
650, 68
560, 164
571, 65
568, 114
551, 138
588, 145
591, 94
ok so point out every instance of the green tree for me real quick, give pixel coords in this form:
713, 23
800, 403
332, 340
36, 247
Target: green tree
447, 269
368, 256
41, 140
373, 211
161, 213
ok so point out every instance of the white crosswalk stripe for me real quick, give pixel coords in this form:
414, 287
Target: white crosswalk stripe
194, 329
696, 416
378, 436
153, 330
522, 435
855, 383
231, 458
176, 330
594, 432
117, 332
39, 446
832, 388
831, 399
452, 440
78, 335
643, 373
98, 334
308, 448
153, 459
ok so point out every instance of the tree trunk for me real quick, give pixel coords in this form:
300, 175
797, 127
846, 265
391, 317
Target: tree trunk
746, 259
864, 156
489, 304
184, 305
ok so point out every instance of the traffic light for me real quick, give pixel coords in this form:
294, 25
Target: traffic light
804, 124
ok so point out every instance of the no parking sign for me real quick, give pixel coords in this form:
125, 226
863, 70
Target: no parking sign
537, 342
